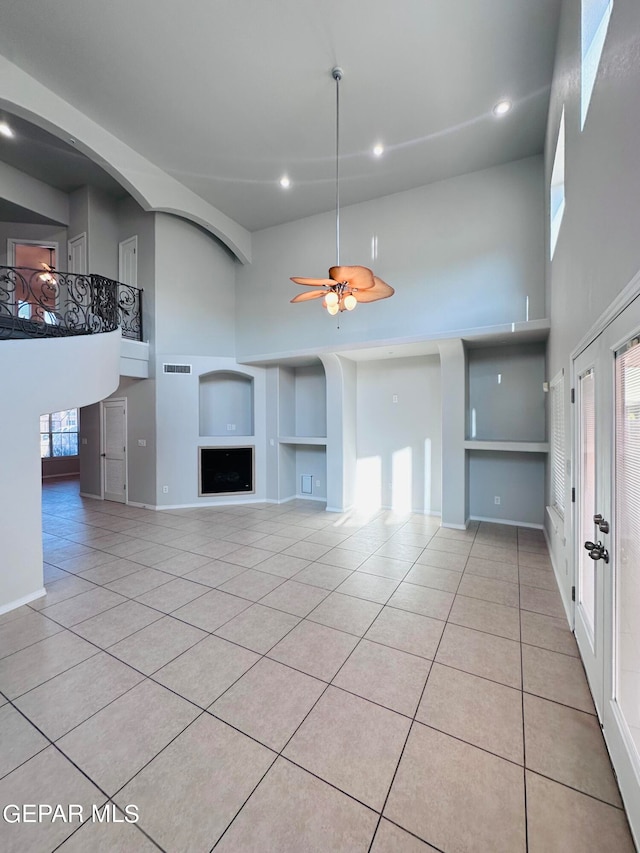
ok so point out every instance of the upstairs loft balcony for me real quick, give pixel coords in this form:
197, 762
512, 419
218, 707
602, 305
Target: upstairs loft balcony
51, 304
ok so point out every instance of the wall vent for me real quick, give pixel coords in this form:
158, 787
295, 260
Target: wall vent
176, 368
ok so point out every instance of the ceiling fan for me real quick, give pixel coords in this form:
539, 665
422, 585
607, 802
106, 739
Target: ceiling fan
346, 285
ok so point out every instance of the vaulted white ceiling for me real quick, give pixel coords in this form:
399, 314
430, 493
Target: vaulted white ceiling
229, 95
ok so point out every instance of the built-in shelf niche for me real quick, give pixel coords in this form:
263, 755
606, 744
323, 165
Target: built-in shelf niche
226, 404
300, 459
506, 400
303, 402
302, 430
506, 443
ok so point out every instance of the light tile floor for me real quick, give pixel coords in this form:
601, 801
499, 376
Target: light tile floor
278, 678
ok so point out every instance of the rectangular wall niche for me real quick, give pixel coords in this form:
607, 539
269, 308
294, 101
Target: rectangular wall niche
225, 470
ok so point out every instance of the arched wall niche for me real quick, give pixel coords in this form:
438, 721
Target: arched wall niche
226, 403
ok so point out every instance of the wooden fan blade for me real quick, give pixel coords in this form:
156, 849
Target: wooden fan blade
358, 278
309, 294
314, 282
380, 290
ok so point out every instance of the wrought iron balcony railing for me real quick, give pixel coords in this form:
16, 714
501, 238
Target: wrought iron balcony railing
47, 303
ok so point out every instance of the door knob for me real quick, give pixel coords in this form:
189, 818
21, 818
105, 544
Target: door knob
597, 551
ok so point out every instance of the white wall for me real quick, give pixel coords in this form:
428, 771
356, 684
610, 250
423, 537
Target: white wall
34, 195
598, 250
461, 253
178, 433
194, 290
402, 440
79, 371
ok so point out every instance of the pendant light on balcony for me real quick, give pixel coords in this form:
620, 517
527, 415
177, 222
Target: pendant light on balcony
46, 275
346, 286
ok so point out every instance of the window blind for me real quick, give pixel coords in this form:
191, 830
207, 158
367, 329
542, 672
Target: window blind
557, 444
627, 538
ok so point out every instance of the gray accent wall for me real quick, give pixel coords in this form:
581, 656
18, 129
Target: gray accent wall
103, 234
517, 479
89, 451
506, 396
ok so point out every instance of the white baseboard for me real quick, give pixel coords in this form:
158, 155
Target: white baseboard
19, 602
199, 505
61, 476
456, 526
507, 521
93, 497
566, 602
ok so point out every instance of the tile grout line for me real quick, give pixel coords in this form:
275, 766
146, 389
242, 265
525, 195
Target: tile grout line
524, 731
306, 617
413, 722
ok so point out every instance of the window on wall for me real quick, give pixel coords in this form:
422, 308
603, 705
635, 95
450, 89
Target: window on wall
59, 434
595, 21
557, 443
556, 193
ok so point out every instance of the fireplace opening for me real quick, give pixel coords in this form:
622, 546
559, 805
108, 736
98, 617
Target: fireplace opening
226, 470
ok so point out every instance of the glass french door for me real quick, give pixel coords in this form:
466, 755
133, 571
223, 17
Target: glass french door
591, 500
607, 517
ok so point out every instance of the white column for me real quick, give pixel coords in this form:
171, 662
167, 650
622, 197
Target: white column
341, 431
454, 465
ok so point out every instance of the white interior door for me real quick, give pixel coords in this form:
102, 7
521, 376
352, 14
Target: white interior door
128, 261
607, 382
77, 255
114, 450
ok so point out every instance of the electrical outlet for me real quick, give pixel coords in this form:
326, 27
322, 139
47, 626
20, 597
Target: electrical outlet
496, 500
231, 427
165, 490
394, 399
142, 442
317, 484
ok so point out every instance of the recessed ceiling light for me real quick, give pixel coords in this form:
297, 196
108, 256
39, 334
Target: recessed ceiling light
5, 130
502, 108
285, 183
378, 150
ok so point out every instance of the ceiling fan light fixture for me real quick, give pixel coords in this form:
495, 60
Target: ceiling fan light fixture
346, 285
350, 302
